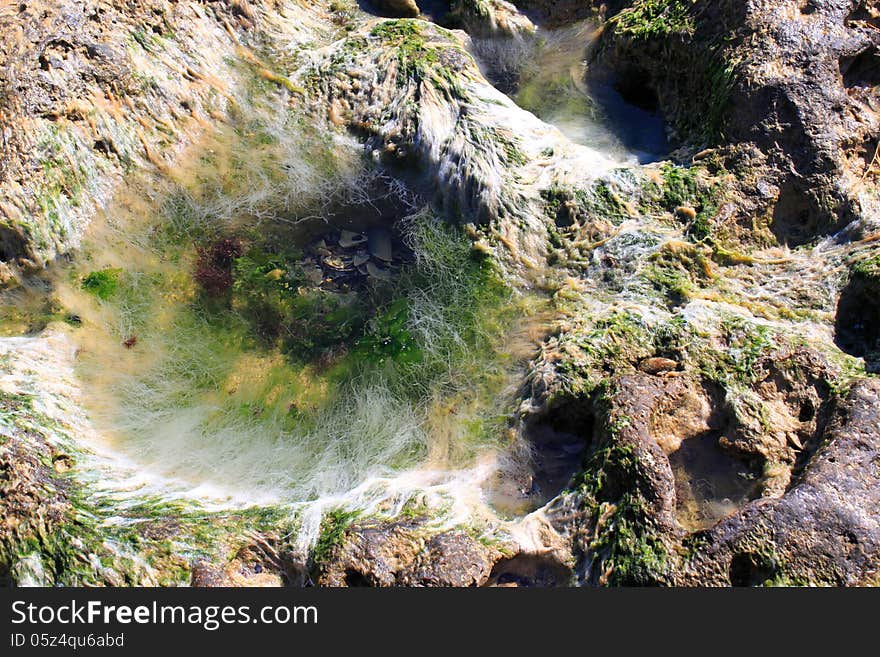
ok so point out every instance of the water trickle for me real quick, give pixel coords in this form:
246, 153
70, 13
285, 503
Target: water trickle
549, 77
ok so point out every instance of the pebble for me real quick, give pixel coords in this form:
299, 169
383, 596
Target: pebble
314, 275
658, 365
337, 263
686, 213
349, 239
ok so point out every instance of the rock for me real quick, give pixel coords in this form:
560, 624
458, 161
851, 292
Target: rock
314, 274
59, 56
794, 90
436, 129
207, 575
337, 263
407, 554
658, 365
824, 530
488, 18
8, 278
379, 244
685, 213
380, 273
349, 239
450, 559
397, 8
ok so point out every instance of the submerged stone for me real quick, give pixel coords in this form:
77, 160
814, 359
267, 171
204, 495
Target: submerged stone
349, 239
380, 244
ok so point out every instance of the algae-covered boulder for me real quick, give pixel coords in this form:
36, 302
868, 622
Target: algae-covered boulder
823, 530
799, 82
416, 96
405, 554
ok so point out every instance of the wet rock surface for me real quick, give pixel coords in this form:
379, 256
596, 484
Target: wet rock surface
675, 472
790, 81
687, 418
823, 530
404, 554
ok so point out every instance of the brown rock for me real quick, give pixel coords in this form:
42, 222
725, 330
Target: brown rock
397, 8
404, 554
658, 365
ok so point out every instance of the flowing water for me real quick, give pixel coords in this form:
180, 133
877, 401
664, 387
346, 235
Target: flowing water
549, 77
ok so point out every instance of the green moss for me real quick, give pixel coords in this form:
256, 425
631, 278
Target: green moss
469, 11
103, 283
271, 292
415, 56
626, 549
678, 270
389, 337
690, 187
655, 18
719, 79
333, 527
567, 206
611, 344
867, 269
675, 284
746, 343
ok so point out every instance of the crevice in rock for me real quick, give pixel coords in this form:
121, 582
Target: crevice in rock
527, 570
12, 244
857, 323
794, 221
710, 483
555, 444
355, 578
558, 442
635, 87
751, 569
807, 7
861, 15
434, 10
861, 70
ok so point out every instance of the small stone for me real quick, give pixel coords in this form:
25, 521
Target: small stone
349, 239
62, 463
658, 365
320, 247
397, 8
361, 258
377, 272
685, 213
7, 276
337, 263
380, 244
